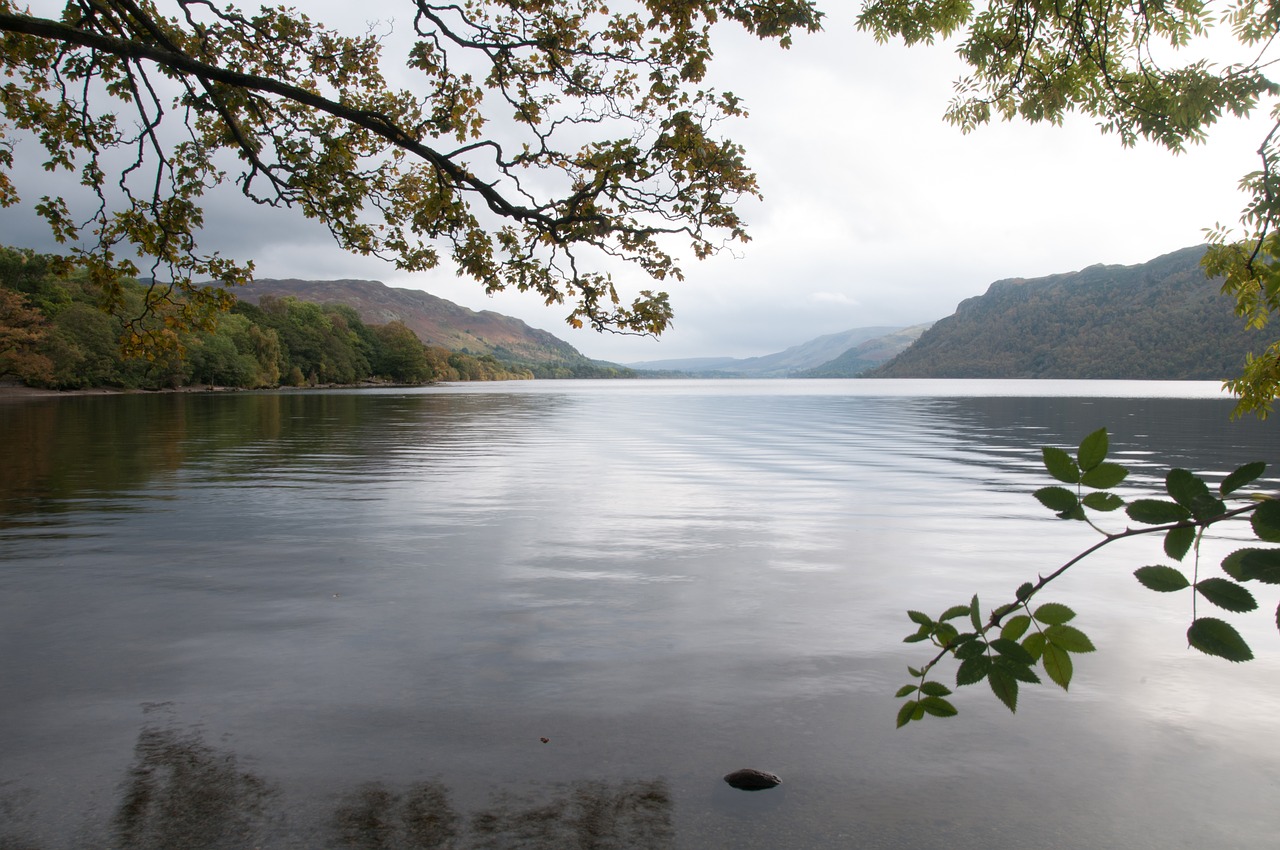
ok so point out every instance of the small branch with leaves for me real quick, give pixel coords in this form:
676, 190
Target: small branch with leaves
1018, 640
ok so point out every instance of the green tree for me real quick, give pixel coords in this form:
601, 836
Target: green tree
401, 356
606, 147
237, 354
1139, 69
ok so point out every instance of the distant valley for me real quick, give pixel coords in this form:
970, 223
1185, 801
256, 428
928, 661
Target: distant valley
839, 355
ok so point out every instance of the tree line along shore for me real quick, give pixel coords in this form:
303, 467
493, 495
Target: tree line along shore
54, 336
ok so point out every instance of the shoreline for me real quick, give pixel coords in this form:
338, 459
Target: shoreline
19, 392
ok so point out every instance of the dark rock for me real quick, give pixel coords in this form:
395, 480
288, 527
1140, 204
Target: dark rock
748, 779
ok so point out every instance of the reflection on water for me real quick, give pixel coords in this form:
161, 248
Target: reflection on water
181, 792
365, 611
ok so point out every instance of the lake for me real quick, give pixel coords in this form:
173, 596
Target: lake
554, 614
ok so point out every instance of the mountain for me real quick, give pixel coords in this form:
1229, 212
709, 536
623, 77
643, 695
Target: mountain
441, 323
867, 355
1161, 320
783, 364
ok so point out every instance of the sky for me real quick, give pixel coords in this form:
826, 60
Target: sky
875, 211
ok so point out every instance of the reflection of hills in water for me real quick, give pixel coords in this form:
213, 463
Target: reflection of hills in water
183, 794
57, 451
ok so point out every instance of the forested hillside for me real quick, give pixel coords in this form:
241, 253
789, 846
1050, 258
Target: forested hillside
442, 323
53, 334
1162, 320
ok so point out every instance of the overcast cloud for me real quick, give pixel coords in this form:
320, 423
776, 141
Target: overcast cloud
876, 212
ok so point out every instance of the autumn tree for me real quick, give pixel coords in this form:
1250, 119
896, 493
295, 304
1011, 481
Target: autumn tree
22, 331
537, 145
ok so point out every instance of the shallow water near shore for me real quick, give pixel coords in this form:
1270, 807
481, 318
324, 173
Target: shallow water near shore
348, 619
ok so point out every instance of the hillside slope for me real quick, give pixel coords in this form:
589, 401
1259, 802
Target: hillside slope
1161, 320
867, 355
435, 320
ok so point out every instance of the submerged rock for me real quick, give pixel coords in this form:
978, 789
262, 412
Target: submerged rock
749, 779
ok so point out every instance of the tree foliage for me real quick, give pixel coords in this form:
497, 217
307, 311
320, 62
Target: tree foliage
537, 143
1015, 642
1151, 71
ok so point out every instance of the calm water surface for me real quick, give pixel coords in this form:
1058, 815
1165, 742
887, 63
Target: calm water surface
348, 619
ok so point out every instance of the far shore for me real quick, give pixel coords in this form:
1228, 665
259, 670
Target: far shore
16, 392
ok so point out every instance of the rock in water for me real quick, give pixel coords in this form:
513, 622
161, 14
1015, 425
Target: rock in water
748, 779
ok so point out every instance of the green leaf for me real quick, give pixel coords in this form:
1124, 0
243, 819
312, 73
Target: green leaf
1266, 521
1016, 627
938, 707
914, 672
1105, 502
1104, 476
1060, 465
946, 633
1178, 541
1233, 564
972, 649
1190, 491
1054, 613
954, 611
1012, 650
1004, 686
1226, 594
1278, 616
1057, 663
920, 618
935, 689
1034, 643
975, 613
1218, 637
1008, 608
1024, 591
1260, 564
1161, 579
1058, 499
1019, 671
1246, 474
1076, 513
1184, 486
1156, 512
1093, 449
917, 637
904, 713
1069, 638
972, 670
904, 691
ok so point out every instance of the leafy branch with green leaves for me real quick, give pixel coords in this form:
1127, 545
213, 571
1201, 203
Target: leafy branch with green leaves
1020, 639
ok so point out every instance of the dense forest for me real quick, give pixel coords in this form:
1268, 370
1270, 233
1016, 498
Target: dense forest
1161, 320
53, 334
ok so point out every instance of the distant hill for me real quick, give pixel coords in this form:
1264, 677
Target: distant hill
867, 355
783, 364
1162, 320
443, 323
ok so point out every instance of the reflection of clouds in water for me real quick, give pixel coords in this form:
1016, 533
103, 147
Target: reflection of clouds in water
183, 794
